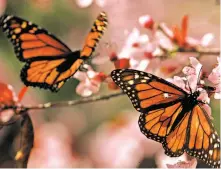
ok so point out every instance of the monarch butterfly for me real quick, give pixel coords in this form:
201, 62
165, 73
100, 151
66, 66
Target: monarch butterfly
170, 115
49, 62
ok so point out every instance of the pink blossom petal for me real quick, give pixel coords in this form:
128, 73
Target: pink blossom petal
178, 81
157, 52
101, 3
81, 76
146, 21
167, 30
188, 70
207, 39
183, 164
195, 63
215, 75
192, 42
87, 88
162, 160
136, 38
217, 95
204, 97
84, 3
164, 41
192, 82
6, 115
139, 65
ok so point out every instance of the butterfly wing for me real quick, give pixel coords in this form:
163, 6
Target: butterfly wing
146, 91
156, 124
30, 41
94, 35
49, 62
51, 74
203, 141
169, 120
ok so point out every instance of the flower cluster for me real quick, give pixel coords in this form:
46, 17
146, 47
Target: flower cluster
168, 48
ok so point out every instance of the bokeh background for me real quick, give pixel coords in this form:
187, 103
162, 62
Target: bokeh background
100, 134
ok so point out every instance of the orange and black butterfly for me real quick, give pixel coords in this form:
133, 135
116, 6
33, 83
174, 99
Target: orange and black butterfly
49, 62
170, 115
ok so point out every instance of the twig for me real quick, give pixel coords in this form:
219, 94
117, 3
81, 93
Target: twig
23, 109
73, 102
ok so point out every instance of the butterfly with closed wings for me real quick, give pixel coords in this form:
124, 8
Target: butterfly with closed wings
170, 115
48, 61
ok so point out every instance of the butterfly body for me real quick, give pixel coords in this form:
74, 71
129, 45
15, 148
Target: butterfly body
49, 63
170, 115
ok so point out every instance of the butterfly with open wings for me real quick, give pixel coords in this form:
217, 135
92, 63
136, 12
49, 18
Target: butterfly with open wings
48, 61
170, 115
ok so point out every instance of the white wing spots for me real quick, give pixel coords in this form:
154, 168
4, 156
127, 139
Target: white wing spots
131, 82
216, 145
143, 81
210, 152
7, 18
211, 140
118, 79
136, 76
166, 95
150, 76
29, 23
145, 77
128, 88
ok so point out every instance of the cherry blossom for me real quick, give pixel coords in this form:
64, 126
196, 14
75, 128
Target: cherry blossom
90, 81
164, 161
193, 72
214, 77
87, 3
7, 98
138, 49
146, 21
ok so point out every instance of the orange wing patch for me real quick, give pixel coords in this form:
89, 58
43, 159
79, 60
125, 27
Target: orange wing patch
49, 62
203, 140
46, 73
176, 140
30, 41
156, 124
146, 90
94, 35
